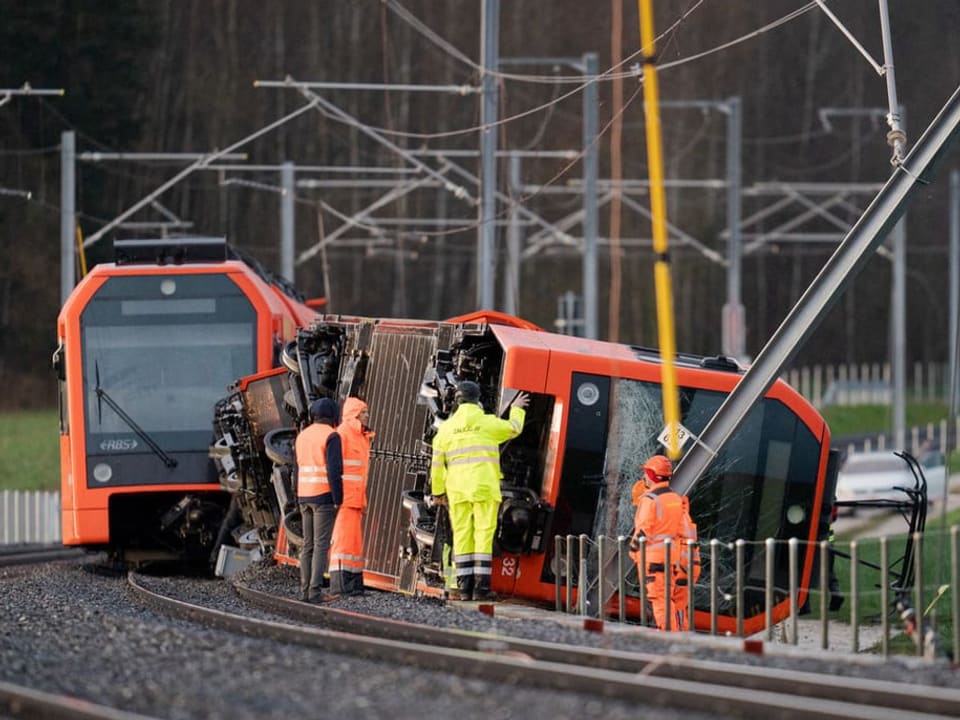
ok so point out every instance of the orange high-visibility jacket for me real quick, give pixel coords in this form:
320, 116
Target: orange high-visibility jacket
356, 454
311, 450
662, 514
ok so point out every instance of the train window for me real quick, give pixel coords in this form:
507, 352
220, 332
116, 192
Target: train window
762, 485
163, 359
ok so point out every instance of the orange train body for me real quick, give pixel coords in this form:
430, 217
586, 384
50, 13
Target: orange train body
146, 347
595, 415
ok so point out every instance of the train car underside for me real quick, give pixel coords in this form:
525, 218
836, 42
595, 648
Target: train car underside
407, 372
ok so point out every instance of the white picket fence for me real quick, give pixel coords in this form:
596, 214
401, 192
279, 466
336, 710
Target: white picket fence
29, 516
867, 383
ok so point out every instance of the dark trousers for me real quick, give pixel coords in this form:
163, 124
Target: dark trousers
314, 556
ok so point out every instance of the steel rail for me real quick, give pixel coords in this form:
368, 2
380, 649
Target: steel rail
903, 696
36, 554
17, 701
495, 658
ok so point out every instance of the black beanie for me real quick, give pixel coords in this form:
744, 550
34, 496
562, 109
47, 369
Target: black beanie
324, 409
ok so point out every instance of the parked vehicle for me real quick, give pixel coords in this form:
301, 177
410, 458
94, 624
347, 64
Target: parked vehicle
886, 476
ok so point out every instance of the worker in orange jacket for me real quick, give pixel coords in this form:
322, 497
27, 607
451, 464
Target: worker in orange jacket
662, 514
346, 553
319, 493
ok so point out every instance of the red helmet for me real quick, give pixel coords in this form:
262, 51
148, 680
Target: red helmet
658, 469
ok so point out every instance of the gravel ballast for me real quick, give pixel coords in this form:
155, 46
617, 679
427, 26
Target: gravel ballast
68, 630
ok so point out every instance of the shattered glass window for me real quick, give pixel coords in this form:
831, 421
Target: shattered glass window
762, 485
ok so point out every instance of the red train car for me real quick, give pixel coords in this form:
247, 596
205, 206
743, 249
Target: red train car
595, 414
147, 345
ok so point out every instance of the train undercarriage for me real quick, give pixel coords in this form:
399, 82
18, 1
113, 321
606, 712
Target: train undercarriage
407, 371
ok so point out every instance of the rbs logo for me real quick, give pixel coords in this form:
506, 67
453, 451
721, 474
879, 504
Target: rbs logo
119, 445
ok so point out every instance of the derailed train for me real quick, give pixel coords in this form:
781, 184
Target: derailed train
594, 415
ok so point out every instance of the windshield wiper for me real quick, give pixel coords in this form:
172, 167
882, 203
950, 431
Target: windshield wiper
102, 395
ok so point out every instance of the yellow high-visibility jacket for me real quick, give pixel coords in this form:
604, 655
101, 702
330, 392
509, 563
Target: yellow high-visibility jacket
466, 453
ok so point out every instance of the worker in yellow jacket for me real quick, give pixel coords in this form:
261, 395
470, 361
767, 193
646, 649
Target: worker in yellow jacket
465, 475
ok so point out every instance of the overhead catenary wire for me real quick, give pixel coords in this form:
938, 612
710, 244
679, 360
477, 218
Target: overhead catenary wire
584, 81
466, 227
453, 51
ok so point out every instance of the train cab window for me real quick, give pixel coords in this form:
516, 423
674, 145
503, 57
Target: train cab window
163, 349
762, 485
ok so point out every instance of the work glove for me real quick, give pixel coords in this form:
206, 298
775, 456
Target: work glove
635, 543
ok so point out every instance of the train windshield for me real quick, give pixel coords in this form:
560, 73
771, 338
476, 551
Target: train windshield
159, 351
762, 485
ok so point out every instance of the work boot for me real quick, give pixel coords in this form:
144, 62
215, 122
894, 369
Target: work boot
482, 591
457, 595
464, 588
354, 584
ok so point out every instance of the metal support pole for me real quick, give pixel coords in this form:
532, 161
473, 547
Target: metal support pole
896, 137
955, 591
918, 591
590, 210
740, 548
642, 577
621, 574
768, 586
898, 336
845, 264
793, 546
884, 596
667, 584
855, 597
582, 583
557, 545
601, 577
954, 273
824, 594
714, 570
486, 265
68, 199
733, 326
287, 221
511, 286
691, 588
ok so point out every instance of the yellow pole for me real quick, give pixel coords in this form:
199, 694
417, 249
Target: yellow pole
81, 254
658, 212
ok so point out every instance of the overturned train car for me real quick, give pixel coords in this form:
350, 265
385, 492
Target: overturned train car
595, 415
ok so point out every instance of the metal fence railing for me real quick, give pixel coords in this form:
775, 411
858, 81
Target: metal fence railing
29, 516
879, 595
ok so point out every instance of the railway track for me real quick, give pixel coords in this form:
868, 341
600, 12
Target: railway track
17, 701
34, 554
648, 679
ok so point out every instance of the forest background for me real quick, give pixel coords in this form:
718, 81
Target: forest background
164, 76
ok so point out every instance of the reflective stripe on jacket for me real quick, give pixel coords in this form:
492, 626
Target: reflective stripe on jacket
466, 453
311, 451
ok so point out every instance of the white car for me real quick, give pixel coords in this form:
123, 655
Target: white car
877, 475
